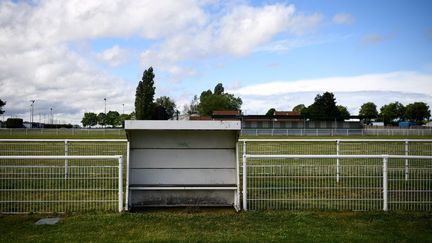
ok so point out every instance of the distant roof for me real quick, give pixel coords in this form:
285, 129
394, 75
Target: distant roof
226, 113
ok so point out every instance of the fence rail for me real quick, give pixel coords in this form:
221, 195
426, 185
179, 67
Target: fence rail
38, 184
62, 131
337, 132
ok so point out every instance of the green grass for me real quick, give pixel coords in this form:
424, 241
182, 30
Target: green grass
222, 225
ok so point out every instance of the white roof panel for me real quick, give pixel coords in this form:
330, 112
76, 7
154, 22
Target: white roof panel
181, 125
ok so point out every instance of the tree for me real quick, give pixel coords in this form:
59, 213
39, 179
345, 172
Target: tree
112, 118
270, 113
159, 113
417, 112
299, 108
343, 112
367, 111
101, 119
144, 96
168, 104
324, 108
2, 103
219, 101
219, 89
90, 119
14, 123
393, 112
124, 117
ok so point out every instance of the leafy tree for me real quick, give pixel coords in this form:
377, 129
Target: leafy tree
368, 110
299, 108
124, 117
90, 119
14, 123
270, 113
102, 119
343, 112
417, 112
219, 89
221, 101
192, 108
168, 104
144, 96
392, 112
159, 113
2, 103
112, 118
324, 108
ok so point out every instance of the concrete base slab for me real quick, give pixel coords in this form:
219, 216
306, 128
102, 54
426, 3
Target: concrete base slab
47, 221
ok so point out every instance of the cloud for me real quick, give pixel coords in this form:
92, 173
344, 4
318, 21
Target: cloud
352, 91
237, 32
114, 56
375, 39
343, 18
37, 63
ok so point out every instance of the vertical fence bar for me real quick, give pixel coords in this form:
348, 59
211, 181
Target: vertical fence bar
127, 175
66, 151
406, 160
120, 184
337, 161
244, 178
237, 196
385, 184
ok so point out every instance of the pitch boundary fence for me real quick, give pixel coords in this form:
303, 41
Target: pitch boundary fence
41, 187
337, 174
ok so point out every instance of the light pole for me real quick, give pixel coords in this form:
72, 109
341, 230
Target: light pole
31, 111
105, 105
52, 117
123, 109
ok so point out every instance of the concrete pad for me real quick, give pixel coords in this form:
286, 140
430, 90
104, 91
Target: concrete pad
47, 221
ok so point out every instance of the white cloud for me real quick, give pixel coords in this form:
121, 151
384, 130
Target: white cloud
36, 63
353, 91
114, 56
237, 32
343, 18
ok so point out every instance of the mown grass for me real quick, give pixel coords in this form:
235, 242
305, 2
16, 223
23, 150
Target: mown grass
223, 225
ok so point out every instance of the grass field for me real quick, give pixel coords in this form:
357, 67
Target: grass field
222, 225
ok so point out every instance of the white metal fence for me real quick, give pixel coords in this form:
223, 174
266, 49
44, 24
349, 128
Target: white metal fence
38, 183
62, 131
78, 174
346, 174
337, 132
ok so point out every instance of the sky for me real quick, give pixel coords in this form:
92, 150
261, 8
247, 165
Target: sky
70, 55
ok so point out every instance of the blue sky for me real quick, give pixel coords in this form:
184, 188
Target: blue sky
270, 53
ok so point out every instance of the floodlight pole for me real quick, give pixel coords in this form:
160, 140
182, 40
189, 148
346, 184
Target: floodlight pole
52, 117
123, 108
31, 112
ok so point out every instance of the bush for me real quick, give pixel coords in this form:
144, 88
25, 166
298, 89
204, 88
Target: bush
14, 123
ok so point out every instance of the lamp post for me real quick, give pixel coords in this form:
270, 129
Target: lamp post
51, 117
123, 108
31, 112
105, 105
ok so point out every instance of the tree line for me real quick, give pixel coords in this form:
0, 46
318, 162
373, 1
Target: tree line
325, 108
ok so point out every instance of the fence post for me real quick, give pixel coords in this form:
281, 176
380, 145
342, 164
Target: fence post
406, 160
385, 183
127, 175
244, 178
66, 151
337, 161
237, 195
120, 184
